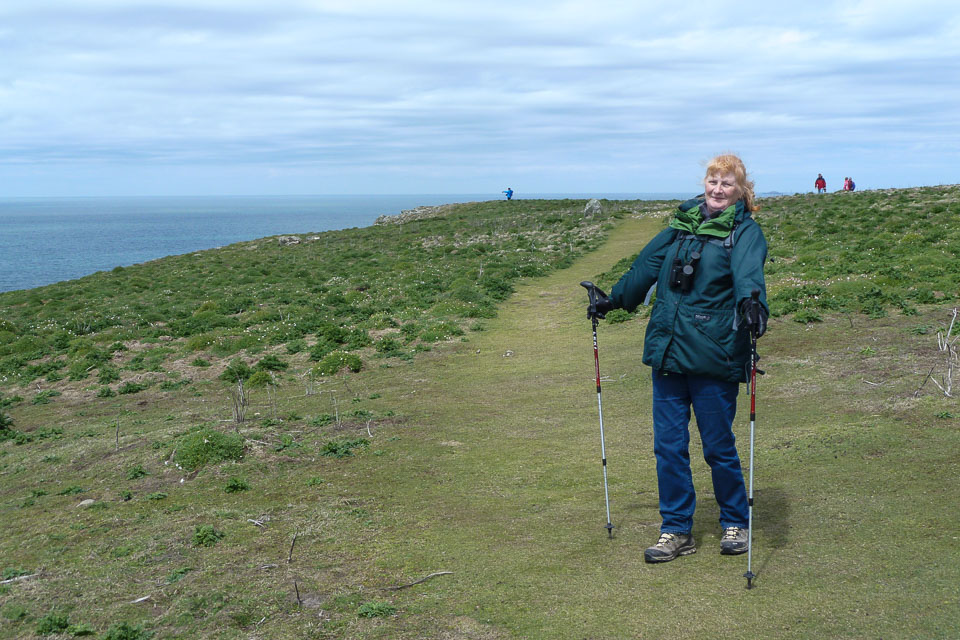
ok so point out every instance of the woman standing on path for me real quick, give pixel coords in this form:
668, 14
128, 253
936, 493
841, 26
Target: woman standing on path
705, 266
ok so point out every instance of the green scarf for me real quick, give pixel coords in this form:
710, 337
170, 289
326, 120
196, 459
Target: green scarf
692, 221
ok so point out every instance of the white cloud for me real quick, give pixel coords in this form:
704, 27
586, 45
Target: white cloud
570, 95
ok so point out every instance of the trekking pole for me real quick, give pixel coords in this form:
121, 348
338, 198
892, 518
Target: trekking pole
592, 294
755, 294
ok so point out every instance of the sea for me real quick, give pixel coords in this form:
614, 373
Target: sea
44, 240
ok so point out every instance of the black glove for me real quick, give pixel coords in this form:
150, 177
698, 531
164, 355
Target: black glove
599, 307
754, 316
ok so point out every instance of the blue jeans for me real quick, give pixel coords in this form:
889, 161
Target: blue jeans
714, 403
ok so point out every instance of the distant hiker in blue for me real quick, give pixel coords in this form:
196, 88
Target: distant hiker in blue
509, 193
705, 266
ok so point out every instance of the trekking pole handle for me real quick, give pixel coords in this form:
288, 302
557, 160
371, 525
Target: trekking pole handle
592, 297
591, 291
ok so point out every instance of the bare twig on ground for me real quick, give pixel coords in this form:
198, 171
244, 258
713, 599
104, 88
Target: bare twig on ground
404, 586
927, 377
18, 578
290, 555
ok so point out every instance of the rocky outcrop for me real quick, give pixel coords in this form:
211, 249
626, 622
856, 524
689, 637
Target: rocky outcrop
419, 213
593, 208
288, 240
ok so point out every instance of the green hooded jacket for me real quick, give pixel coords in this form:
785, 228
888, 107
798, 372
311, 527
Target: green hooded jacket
699, 331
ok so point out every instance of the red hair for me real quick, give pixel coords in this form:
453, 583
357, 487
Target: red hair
730, 163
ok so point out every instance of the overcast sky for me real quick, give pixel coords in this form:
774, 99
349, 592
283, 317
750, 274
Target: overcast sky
115, 97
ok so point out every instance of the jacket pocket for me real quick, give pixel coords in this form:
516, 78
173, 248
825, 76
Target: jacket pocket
716, 328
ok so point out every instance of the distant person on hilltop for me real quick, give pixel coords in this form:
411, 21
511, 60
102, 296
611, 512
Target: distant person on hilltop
707, 267
508, 193
846, 184
820, 184
851, 184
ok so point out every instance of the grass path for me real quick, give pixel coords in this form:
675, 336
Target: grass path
507, 492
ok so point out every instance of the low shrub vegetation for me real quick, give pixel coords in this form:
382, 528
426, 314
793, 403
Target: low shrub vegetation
236, 485
343, 448
208, 446
334, 362
205, 535
445, 270
877, 251
376, 609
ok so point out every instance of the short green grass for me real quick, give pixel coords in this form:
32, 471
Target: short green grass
481, 476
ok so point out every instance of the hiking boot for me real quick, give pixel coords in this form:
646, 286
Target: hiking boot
734, 541
669, 546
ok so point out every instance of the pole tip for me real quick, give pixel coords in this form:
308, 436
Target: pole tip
609, 530
749, 576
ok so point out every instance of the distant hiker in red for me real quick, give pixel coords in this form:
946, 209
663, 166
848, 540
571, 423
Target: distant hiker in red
820, 184
846, 184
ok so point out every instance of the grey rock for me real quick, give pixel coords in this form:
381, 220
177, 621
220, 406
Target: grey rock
288, 240
593, 208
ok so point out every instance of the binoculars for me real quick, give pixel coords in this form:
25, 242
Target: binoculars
682, 274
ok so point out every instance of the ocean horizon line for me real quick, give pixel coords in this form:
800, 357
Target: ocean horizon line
576, 195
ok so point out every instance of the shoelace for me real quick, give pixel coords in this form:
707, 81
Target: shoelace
665, 538
731, 533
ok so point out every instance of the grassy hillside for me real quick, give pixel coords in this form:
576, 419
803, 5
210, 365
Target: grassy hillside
428, 278
472, 457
